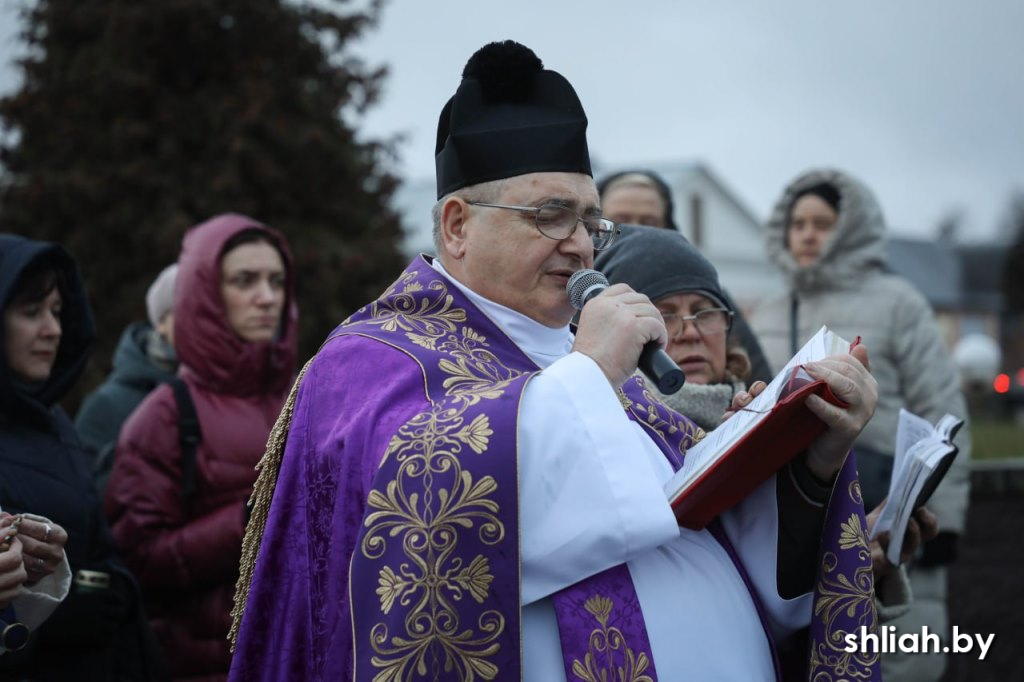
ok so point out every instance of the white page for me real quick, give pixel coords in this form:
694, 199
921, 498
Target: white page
701, 456
920, 449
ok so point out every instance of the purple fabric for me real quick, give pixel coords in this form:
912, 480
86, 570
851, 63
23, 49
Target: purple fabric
844, 590
602, 629
400, 461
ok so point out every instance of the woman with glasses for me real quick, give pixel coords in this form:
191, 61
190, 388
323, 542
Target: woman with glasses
665, 267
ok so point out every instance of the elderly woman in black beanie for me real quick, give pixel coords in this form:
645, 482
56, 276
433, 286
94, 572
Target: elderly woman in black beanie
683, 284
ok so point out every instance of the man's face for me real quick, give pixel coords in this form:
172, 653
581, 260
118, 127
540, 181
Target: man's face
634, 205
811, 223
501, 255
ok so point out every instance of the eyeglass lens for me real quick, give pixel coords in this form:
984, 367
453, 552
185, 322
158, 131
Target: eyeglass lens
711, 321
558, 222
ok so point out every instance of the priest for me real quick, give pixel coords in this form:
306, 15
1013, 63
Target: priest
462, 486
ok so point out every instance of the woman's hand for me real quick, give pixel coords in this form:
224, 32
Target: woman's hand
923, 526
743, 398
12, 572
849, 379
43, 546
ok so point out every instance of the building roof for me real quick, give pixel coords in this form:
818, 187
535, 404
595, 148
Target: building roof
933, 267
982, 268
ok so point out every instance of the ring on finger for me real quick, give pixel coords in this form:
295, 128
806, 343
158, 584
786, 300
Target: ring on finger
49, 531
40, 564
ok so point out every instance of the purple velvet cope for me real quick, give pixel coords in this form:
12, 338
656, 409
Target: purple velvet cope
440, 536
398, 558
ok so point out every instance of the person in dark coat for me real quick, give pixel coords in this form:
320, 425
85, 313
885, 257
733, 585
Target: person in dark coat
235, 331
143, 360
47, 334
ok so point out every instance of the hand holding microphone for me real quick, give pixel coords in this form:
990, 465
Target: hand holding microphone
620, 331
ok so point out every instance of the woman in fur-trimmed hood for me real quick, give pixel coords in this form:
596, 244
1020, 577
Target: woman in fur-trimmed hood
827, 235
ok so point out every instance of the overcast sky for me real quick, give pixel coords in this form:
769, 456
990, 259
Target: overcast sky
920, 98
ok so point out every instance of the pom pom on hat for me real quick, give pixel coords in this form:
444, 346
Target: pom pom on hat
505, 70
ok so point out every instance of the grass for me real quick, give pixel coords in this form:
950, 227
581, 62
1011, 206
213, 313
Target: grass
994, 439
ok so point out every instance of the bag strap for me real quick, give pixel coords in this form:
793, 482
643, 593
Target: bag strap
189, 436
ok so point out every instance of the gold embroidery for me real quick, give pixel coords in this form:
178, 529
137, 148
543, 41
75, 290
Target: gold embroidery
424, 322
838, 595
432, 499
624, 399
604, 642
664, 421
262, 494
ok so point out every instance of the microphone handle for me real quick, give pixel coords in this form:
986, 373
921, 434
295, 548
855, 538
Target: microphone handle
660, 368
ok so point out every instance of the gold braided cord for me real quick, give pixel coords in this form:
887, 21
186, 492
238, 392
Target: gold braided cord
262, 494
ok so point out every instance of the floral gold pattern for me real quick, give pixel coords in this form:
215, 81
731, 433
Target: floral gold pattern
609, 657
847, 599
424, 322
664, 422
433, 500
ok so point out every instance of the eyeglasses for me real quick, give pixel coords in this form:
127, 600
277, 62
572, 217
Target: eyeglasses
708, 321
559, 222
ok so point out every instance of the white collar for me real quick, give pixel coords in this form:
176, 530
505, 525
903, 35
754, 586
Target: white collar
541, 343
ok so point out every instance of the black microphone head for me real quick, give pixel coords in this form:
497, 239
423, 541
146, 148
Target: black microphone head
583, 285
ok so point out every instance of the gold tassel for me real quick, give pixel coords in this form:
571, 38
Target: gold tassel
262, 494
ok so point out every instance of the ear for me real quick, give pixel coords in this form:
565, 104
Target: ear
454, 215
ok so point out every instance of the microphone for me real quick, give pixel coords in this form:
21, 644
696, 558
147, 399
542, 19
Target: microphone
654, 362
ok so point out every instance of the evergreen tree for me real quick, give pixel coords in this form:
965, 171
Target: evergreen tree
136, 121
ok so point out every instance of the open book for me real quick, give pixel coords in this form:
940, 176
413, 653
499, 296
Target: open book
742, 453
923, 456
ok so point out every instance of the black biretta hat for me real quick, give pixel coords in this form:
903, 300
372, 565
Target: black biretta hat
510, 116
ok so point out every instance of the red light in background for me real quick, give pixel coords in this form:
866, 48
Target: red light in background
1020, 376
1002, 383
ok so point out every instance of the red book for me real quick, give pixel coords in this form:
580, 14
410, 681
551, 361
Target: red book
742, 453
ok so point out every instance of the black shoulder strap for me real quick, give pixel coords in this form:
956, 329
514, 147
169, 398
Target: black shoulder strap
189, 436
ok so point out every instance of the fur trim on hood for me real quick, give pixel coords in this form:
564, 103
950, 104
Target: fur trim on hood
857, 243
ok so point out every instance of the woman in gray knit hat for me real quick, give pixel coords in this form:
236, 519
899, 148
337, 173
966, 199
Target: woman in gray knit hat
668, 269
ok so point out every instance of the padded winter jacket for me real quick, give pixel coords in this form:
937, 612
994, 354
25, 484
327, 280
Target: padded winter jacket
185, 552
849, 290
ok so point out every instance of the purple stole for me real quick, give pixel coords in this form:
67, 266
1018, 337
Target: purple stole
440, 535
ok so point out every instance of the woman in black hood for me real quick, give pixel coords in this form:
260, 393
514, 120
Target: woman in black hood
47, 332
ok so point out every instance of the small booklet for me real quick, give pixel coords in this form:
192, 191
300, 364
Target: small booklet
923, 455
742, 453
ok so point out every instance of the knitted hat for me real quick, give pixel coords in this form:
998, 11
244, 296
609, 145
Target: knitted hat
659, 263
824, 191
160, 295
510, 116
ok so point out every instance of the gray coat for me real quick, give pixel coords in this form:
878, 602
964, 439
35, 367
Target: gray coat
101, 415
849, 290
